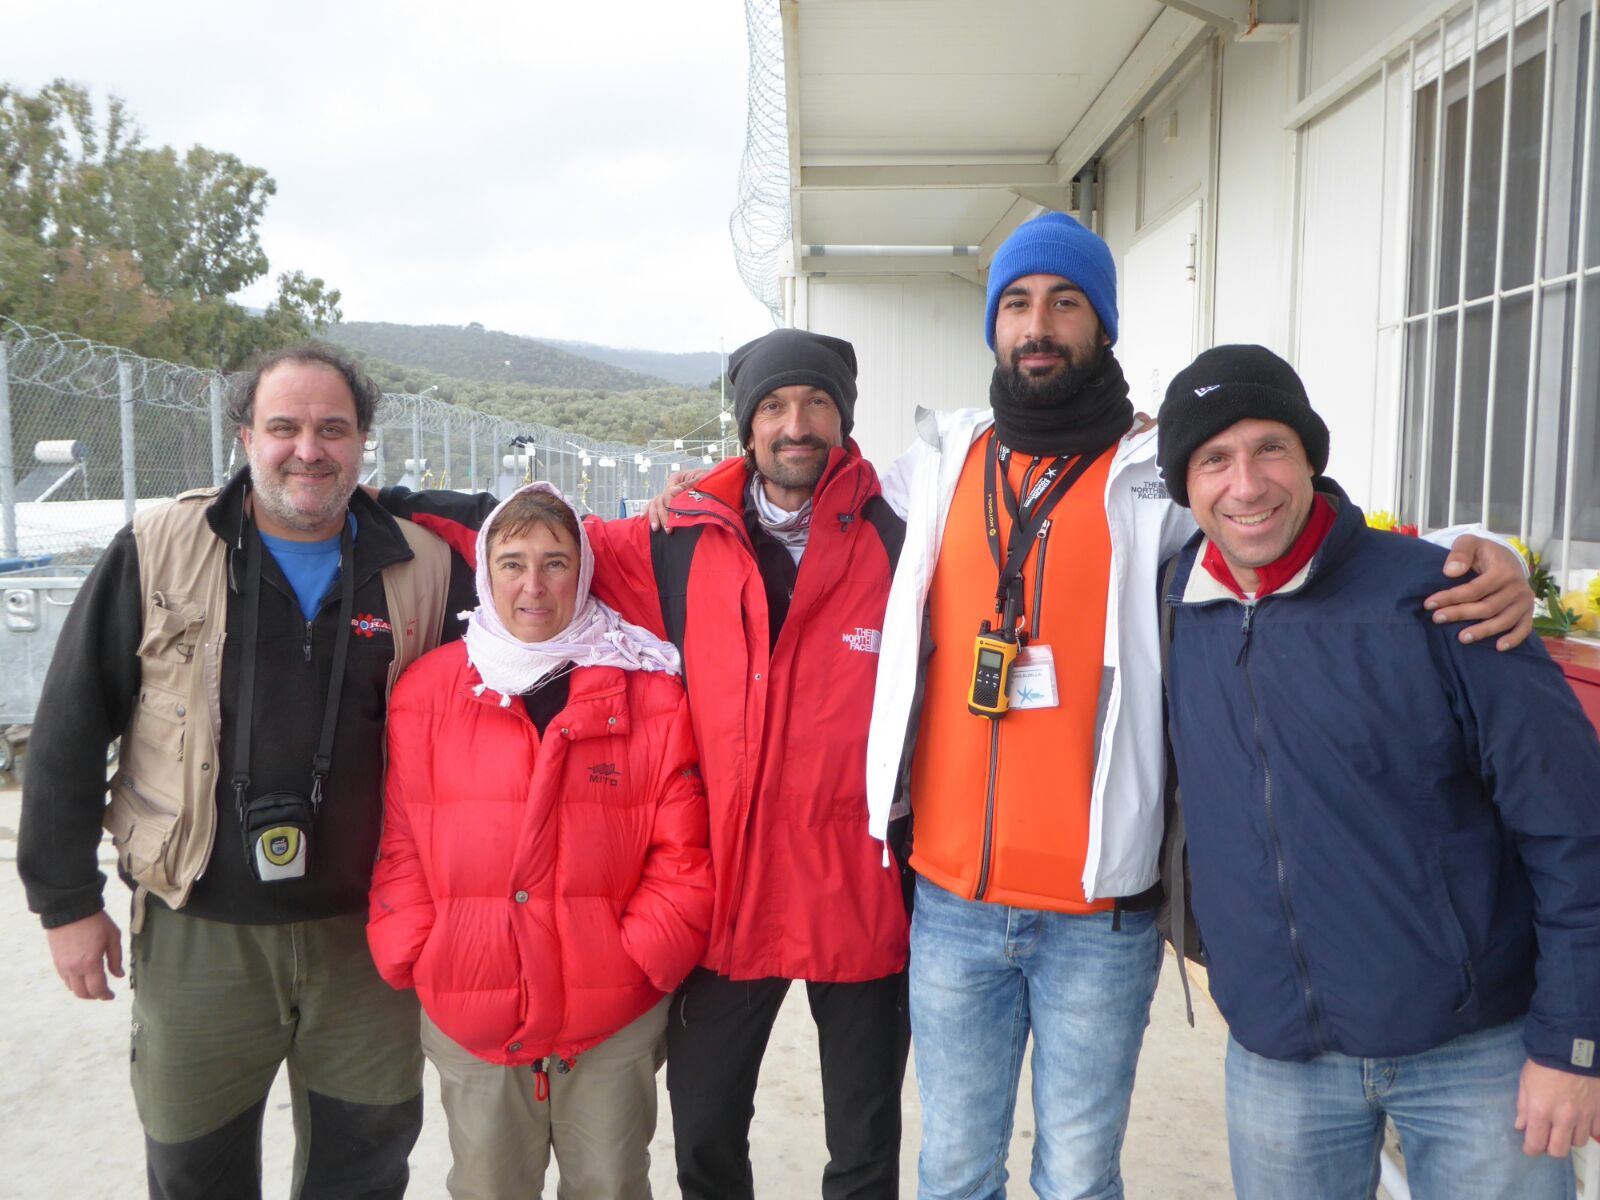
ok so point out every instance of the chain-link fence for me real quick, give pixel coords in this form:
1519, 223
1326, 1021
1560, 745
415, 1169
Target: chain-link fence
90, 433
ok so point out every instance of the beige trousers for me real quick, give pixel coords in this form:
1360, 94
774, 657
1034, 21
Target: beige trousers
598, 1120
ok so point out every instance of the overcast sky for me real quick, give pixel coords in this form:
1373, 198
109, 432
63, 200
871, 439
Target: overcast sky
552, 169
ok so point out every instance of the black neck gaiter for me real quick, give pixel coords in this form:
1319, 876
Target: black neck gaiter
1075, 416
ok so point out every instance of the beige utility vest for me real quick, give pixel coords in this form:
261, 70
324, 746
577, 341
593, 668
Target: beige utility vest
163, 814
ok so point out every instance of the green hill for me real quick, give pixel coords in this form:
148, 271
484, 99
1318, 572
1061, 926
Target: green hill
690, 370
473, 352
633, 418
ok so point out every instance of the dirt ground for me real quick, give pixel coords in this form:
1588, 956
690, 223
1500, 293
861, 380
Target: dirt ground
68, 1129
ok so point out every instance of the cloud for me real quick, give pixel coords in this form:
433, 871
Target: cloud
547, 169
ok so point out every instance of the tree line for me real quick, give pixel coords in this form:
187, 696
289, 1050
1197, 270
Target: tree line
135, 245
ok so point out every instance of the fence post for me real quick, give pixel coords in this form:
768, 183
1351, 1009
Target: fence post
130, 482
472, 455
216, 431
8, 464
416, 442
444, 475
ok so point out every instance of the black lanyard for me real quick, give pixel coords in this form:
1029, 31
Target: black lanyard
1040, 494
323, 761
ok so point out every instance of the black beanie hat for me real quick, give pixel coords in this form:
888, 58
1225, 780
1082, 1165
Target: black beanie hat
1223, 386
789, 356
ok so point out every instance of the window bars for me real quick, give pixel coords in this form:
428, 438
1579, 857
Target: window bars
1501, 278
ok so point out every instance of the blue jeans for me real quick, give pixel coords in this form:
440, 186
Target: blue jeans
982, 977
1316, 1128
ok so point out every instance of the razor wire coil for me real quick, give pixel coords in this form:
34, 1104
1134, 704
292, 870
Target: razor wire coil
760, 223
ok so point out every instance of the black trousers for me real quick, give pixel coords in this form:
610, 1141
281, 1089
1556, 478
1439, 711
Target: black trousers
357, 1152
717, 1033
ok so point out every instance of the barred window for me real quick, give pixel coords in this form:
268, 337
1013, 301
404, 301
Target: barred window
1502, 327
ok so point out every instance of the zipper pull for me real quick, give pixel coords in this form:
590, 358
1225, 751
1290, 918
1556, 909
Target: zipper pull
307, 646
1244, 630
844, 522
1044, 529
541, 1082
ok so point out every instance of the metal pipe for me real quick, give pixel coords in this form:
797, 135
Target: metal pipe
1436, 207
8, 464
1398, 381
216, 431
1535, 317
130, 479
1580, 288
1461, 261
1499, 272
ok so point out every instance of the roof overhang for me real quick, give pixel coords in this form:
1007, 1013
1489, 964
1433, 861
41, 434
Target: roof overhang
922, 132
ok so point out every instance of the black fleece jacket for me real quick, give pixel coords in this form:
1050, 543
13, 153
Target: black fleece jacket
88, 699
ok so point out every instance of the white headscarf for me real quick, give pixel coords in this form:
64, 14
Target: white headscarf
596, 636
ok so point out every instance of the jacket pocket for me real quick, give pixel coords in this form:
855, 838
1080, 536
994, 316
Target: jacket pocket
142, 830
166, 661
171, 638
1443, 866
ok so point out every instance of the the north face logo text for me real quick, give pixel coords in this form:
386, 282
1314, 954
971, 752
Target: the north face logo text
1150, 491
605, 774
867, 641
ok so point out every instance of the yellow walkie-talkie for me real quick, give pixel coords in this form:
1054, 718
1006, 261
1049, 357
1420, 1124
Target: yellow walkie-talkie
992, 656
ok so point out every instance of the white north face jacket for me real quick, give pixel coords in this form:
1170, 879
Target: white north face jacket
1146, 528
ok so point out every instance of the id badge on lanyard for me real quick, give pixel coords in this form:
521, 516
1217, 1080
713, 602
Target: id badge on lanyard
1007, 672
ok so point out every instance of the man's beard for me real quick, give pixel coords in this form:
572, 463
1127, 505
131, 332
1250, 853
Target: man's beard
795, 476
1057, 388
272, 495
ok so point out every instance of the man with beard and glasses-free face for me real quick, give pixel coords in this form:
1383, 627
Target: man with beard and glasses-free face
1038, 525
1394, 840
242, 642
770, 576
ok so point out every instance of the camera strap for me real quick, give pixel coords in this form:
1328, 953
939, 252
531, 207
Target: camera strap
1041, 492
323, 760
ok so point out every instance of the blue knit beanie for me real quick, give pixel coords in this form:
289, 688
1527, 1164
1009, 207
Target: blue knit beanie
1055, 244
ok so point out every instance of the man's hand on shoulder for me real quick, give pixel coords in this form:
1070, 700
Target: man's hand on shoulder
84, 951
1556, 1110
677, 484
1498, 599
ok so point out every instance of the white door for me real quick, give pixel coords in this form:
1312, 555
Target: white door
1159, 311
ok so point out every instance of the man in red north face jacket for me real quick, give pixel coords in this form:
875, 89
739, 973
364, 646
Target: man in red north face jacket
771, 579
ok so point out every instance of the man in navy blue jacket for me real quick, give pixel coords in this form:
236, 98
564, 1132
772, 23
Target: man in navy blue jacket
1394, 839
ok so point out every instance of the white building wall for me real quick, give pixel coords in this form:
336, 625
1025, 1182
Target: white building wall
1292, 222
1253, 270
1339, 32
919, 342
1336, 352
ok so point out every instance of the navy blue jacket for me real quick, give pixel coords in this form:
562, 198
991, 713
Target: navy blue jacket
1394, 839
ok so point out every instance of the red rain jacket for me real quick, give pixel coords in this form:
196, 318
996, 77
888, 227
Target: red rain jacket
803, 891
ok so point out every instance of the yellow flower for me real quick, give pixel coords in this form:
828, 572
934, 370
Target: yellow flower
1381, 518
1521, 547
1594, 594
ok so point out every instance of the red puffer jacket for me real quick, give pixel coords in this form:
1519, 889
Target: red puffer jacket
803, 890
539, 893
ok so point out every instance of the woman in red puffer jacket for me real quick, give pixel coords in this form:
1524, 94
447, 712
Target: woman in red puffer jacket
543, 880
